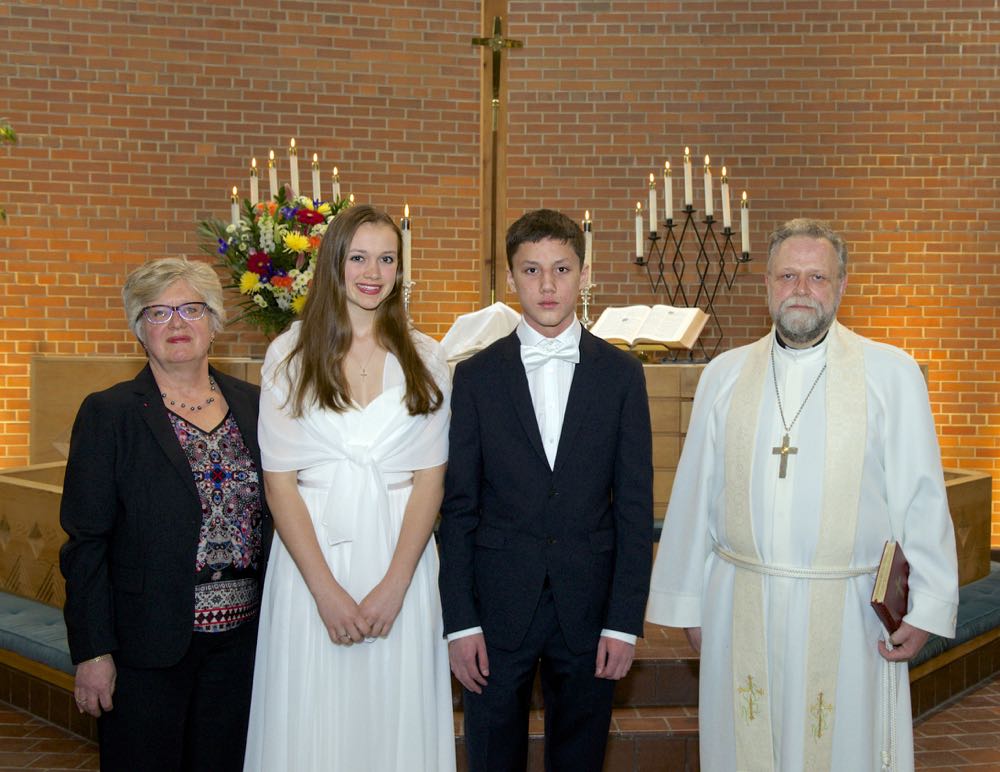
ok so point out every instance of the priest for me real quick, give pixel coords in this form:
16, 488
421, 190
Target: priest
806, 452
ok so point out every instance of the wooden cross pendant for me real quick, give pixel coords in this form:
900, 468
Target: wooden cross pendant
784, 452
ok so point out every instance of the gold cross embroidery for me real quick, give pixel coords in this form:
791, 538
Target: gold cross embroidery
820, 713
784, 451
750, 698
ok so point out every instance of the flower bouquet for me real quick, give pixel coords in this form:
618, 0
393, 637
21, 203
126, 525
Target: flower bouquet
271, 255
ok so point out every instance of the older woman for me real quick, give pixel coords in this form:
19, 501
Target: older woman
168, 534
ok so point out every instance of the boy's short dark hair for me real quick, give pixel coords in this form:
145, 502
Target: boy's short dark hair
544, 224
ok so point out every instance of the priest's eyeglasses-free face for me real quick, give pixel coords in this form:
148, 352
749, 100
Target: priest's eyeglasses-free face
189, 312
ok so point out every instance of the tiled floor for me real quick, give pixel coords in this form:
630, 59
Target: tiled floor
962, 736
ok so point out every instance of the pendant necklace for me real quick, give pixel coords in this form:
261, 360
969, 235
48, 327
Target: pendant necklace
785, 449
193, 407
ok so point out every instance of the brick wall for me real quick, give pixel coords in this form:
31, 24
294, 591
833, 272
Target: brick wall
136, 118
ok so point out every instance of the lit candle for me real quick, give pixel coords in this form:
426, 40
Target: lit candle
639, 252
588, 247
350, 199
254, 187
727, 215
272, 174
745, 224
234, 208
652, 203
336, 185
688, 179
709, 206
668, 192
293, 161
315, 179
404, 226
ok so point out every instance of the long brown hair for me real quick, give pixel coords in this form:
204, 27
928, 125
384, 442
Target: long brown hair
326, 333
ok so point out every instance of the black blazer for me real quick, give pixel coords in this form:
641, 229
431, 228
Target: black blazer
509, 521
133, 516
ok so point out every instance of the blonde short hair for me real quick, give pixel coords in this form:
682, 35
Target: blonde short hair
147, 282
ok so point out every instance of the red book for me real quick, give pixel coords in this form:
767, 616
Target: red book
889, 596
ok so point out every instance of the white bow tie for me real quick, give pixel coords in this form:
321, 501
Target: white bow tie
534, 357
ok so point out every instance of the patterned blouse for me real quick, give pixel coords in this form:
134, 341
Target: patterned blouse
227, 590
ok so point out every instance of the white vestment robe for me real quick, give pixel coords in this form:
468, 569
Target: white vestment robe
902, 497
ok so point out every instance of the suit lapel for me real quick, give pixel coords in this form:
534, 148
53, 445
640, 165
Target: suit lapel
520, 394
583, 392
150, 406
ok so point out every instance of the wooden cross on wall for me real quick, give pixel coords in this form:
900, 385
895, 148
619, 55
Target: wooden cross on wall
497, 43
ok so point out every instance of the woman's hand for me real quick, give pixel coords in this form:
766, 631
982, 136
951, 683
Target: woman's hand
95, 683
342, 617
381, 606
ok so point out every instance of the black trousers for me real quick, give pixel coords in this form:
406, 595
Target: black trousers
577, 705
191, 717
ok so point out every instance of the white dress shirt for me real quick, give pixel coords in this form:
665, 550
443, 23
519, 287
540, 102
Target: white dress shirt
549, 386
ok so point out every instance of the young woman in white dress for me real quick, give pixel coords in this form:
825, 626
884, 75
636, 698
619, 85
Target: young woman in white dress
352, 669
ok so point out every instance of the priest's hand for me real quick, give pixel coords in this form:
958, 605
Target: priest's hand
614, 658
693, 635
469, 662
95, 683
906, 642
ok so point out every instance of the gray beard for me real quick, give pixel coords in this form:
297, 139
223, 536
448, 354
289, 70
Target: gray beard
801, 329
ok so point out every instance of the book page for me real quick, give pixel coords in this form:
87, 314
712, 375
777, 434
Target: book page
666, 324
620, 324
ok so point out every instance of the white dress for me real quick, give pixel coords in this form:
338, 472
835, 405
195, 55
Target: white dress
385, 705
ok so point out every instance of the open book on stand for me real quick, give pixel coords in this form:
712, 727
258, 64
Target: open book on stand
891, 591
657, 325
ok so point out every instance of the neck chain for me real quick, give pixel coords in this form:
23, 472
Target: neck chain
193, 407
785, 449
364, 367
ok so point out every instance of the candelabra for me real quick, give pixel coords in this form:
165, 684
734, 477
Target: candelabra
587, 297
716, 264
407, 294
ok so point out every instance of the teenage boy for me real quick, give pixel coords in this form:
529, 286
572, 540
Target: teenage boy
546, 531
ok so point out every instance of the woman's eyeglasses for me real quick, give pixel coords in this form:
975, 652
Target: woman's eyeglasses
189, 312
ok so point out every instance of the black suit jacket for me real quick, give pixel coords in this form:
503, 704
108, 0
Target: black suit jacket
509, 521
133, 516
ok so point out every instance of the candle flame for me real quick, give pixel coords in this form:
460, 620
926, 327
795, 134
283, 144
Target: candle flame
270, 155
687, 151
723, 171
638, 207
406, 210
666, 166
744, 198
586, 216
350, 198
315, 158
706, 160
292, 143
253, 163
651, 179
335, 172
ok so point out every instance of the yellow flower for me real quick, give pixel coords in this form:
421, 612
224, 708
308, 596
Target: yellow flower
296, 242
324, 209
249, 282
298, 304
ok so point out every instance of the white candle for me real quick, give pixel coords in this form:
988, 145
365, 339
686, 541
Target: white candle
254, 186
709, 206
745, 224
688, 179
234, 208
668, 192
272, 175
404, 226
639, 251
315, 180
652, 204
588, 247
293, 161
335, 196
727, 215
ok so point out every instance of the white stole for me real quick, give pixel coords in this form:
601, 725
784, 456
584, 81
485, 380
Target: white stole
846, 420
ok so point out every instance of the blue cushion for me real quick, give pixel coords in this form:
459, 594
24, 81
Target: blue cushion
34, 631
978, 613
